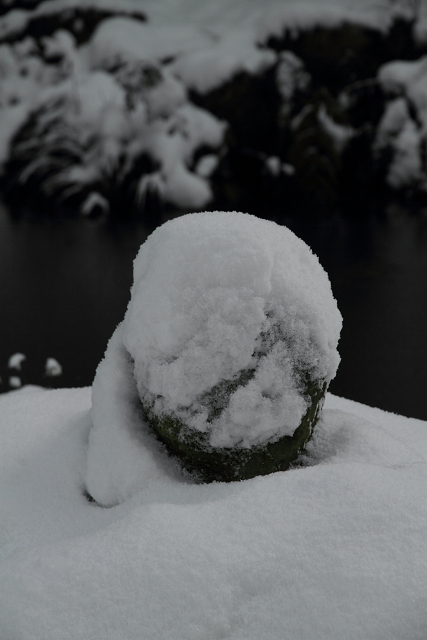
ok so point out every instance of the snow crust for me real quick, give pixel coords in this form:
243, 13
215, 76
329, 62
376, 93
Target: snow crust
298, 554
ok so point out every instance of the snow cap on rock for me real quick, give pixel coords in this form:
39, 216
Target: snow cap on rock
220, 295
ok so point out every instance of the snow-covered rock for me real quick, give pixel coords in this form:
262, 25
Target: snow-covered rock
229, 342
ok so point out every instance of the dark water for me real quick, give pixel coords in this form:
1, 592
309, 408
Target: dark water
64, 286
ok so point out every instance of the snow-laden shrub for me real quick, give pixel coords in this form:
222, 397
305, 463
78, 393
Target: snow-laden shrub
99, 133
401, 136
229, 343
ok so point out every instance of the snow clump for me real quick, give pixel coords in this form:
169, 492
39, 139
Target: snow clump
52, 368
15, 361
230, 339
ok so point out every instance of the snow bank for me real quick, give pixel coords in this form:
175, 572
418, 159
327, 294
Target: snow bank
298, 554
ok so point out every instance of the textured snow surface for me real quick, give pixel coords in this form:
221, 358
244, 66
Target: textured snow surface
207, 288
329, 551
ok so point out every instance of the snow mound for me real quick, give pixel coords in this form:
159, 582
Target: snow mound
230, 319
293, 555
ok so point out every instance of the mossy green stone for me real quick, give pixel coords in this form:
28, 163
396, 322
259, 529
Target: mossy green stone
228, 464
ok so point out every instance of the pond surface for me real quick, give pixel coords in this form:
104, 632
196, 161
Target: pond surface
64, 286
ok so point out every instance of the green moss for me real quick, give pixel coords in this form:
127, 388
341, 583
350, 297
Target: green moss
227, 464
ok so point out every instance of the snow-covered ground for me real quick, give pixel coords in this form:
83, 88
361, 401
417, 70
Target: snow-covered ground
329, 551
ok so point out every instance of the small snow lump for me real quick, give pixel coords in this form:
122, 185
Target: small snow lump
231, 339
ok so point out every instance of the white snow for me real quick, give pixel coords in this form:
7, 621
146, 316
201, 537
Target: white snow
172, 142
291, 75
15, 361
339, 134
106, 116
206, 68
217, 17
95, 201
396, 76
121, 456
143, 41
401, 130
15, 382
16, 20
52, 367
207, 165
325, 552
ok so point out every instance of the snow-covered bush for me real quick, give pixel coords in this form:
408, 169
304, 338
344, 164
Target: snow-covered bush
402, 132
114, 106
227, 347
99, 128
